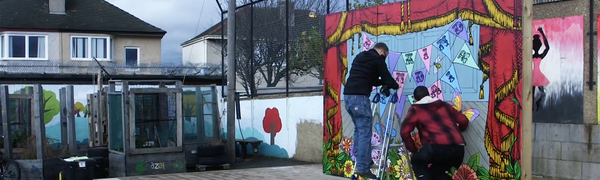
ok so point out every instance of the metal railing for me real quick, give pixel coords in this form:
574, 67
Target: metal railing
547, 1
91, 67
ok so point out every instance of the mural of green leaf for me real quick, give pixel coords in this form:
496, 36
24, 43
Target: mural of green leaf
483, 173
517, 169
85, 108
474, 161
51, 104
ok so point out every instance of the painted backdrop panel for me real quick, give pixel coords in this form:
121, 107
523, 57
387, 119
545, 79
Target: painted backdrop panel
466, 52
52, 110
557, 70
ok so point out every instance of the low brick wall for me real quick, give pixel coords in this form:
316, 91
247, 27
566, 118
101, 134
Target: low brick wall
566, 151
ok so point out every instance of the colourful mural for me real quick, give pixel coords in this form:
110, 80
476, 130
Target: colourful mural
52, 109
557, 66
286, 126
466, 52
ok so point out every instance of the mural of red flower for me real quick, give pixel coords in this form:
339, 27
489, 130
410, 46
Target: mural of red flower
464, 172
272, 123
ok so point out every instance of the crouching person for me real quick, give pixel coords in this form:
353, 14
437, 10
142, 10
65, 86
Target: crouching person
440, 127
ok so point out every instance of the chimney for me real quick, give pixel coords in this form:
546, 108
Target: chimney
57, 6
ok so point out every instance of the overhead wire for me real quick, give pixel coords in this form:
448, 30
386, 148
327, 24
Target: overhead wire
195, 33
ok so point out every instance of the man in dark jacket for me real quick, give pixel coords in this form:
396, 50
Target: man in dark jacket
367, 68
440, 127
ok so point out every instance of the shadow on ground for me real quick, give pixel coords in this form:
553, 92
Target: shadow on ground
262, 162
267, 162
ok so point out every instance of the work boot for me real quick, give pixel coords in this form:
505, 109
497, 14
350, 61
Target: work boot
368, 175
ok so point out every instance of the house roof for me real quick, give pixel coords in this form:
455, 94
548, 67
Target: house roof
96, 16
266, 22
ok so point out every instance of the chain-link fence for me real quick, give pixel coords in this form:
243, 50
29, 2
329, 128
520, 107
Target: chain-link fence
279, 44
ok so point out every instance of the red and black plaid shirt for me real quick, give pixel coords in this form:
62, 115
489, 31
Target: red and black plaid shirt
437, 124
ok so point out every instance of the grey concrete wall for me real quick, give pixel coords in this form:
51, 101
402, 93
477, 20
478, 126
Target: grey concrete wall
566, 151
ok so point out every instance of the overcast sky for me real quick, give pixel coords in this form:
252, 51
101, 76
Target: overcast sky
179, 18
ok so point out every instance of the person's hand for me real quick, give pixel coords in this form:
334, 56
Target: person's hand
540, 30
385, 90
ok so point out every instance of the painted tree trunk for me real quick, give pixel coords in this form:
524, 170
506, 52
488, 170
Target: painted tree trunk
272, 133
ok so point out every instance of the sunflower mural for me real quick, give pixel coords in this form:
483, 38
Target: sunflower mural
398, 160
466, 52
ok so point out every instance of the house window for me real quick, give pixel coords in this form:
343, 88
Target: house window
132, 56
31, 47
87, 48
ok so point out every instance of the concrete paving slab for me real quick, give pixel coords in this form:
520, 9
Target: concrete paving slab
311, 171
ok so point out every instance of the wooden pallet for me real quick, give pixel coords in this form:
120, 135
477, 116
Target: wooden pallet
203, 167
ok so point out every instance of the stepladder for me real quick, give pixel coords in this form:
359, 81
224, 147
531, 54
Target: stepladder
390, 159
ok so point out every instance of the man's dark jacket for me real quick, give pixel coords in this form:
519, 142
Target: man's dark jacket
367, 67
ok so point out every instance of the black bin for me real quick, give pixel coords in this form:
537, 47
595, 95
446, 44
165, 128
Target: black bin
101, 169
82, 169
100, 154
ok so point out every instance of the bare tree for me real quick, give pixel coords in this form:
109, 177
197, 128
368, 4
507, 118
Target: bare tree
261, 40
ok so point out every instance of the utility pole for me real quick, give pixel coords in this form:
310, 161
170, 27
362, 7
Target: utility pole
231, 82
527, 104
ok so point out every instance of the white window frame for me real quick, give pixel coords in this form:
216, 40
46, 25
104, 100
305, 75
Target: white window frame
89, 48
4, 46
125, 58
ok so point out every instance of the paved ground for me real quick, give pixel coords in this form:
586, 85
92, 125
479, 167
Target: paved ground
310, 171
263, 168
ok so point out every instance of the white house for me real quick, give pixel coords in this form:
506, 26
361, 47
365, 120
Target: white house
205, 49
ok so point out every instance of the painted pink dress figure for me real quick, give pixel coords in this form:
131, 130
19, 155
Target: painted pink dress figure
539, 79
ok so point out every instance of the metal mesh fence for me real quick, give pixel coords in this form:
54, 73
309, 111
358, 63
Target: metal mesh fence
279, 44
20, 123
155, 120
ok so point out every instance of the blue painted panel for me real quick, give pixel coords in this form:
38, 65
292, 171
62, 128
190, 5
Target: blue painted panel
469, 78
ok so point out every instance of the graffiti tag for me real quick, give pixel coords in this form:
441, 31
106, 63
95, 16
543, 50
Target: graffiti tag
140, 167
464, 56
179, 165
157, 165
443, 42
383, 100
458, 27
435, 91
36, 172
450, 77
367, 44
400, 78
409, 60
419, 76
